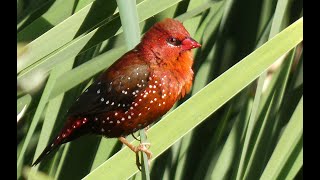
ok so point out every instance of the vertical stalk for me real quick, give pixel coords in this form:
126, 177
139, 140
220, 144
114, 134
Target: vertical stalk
130, 24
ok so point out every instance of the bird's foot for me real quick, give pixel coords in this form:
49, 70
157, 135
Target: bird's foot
142, 147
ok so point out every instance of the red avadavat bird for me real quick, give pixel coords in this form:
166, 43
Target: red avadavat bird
136, 90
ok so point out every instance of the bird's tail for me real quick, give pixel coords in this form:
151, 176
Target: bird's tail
73, 129
49, 149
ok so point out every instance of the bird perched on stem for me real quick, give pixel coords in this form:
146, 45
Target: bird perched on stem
136, 90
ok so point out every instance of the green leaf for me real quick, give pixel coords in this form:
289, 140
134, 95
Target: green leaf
130, 24
35, 120
51, 114
248, 154
56, 13
81, 73
288, 141
65, 42
228, 153
22, 105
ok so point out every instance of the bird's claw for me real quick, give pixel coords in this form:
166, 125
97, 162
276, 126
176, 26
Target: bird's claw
143, 147
145, 131
135, 137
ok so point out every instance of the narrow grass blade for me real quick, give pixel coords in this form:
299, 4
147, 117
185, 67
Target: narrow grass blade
56, 13
145, 173
26, 15
81, 73
27, 172
296, 167
104, 151
65, 44
22, 105
275, 28
130, 22
131, 29
54, 39
287, 142
199, 9
251, 124
62, 160
268, 131
35, 120
226, 158
213, 146
51, 114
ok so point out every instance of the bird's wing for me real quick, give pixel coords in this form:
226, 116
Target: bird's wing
116, 88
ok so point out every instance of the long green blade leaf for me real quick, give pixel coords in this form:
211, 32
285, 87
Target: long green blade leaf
289, 139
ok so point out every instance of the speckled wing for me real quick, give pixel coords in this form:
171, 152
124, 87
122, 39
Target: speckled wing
114, 89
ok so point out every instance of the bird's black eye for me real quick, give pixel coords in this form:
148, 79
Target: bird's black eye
174, 41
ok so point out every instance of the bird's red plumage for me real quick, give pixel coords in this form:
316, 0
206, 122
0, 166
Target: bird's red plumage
137, 89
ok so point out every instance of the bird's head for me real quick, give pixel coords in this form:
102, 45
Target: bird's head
168, 39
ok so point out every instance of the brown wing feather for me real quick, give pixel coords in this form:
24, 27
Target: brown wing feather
115, 88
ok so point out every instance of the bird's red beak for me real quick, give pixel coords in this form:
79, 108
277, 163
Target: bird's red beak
189, 43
